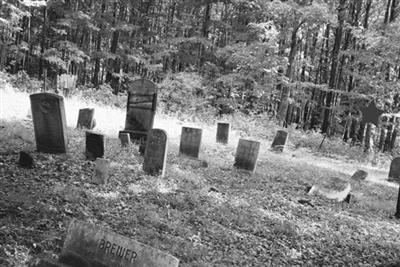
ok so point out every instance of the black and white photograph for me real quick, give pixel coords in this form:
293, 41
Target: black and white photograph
179, 133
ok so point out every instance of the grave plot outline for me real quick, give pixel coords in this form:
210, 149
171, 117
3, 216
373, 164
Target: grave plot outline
50, 124
140, 109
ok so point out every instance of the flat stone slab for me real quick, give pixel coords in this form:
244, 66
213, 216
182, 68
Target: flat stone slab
101, 247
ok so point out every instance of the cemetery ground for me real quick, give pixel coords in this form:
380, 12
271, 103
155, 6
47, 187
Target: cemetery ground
204, 214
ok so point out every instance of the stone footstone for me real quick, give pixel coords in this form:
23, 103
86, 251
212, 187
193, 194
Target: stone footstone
359, 175
101, 171
155, 156
125, 139
394, 172
100, 247
94, 145
279, 141
25, 160
85, 119
190, 142
49, 123
223, 129
247, 155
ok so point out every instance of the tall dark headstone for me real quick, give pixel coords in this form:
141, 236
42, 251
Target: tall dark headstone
85, 118
140, 110
155, 156
190, 142
394, 172
223, 129
94, 145
49, 123
247, 155
279, 141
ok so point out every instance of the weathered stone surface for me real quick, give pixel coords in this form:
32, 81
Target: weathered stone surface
99, 247
359, 175
223, 129
155, 156
247, 154
94, 145
332, 188
190, 142
25, 160
279, 141
101, 171
125, 139
49, 123
394, 173
86, 118
48, 263
140, 110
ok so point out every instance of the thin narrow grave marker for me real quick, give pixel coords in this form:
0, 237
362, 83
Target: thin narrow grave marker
85, 118
100, 247
247, 155
101, 170
125, 139
155, 157
190, 142
223, 129
279, 141
394, 172
49, 123
94, 145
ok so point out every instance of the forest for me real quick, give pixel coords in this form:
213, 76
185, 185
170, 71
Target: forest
315, 63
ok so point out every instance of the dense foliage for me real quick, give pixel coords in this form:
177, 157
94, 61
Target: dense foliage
322, 56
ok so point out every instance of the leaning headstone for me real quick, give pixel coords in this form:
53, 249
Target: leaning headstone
359, 175
25, 160
140, 110
155, 156
247, 154
101, 171
94, 145
125, 139
49, 123
394, 172
190, 142
223, 132
279, 141
88, 244
85, 118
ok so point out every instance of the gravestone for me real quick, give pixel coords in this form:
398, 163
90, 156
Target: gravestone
247, 154
88, 244
190, 142
85, 118
125, 139
25, 160
155, 156
140, 110
223, 132
101, 171
49, 123
279, 141
359, 175
394, 172
94, 145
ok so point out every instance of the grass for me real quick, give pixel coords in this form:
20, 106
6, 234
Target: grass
205, 216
